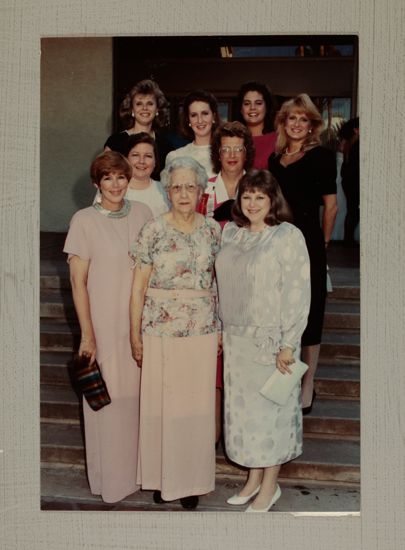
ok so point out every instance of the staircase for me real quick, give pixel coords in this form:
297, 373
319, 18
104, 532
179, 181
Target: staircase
331, 454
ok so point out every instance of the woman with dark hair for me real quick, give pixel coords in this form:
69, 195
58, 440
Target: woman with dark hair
264, 291
198, 118
306, 173
232, 153
256, 108
97, 245
144, 109
141, 153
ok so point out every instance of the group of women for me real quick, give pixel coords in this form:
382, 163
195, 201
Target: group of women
211, 278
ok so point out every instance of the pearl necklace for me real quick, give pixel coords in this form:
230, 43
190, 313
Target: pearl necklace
291, 154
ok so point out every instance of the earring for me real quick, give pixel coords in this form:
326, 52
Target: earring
133, 114
157, 112
189, 124
310, 131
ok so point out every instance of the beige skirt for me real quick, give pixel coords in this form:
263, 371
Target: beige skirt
177, 415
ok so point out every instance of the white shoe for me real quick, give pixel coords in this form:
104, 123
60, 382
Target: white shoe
236, 500
276, 496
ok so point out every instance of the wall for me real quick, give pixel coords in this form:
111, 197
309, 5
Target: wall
76, 102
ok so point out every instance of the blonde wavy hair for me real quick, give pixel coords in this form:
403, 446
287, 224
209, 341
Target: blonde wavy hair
303, 104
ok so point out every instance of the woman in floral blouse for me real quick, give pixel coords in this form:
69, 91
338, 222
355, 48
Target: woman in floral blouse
174, 338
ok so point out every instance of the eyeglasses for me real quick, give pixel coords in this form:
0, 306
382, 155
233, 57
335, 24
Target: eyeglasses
237, 150
189, 187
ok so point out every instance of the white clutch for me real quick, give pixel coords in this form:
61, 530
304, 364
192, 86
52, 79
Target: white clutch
279, 386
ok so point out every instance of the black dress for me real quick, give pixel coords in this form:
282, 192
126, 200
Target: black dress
303, 184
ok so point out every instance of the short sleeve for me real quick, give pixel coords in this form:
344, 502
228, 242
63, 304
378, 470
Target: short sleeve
77, 239
141, 249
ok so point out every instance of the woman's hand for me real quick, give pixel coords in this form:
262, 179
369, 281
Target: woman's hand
137, 349
88, 347
219, 351
284, 358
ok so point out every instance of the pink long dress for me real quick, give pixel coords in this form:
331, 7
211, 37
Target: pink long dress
111, 434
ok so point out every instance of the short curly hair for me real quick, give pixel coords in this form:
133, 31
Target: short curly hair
197, 95
232, 129
107, 162
145, 87
184, 162
269, 100
264, 181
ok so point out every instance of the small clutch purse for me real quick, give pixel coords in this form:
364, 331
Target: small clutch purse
88, 379
279, 386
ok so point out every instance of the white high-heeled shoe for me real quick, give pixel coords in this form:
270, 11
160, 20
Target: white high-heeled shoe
276, 496
236, 500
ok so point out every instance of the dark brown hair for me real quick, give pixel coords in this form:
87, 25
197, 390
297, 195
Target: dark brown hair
107, 162
142, 137
268, 98
145, 87
263, 181
197, 95
232, 129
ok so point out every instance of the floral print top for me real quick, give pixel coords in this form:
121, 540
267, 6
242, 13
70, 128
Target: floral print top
179, 261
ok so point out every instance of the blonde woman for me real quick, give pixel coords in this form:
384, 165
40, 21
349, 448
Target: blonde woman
306, 173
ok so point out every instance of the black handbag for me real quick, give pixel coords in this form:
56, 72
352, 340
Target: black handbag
88, 380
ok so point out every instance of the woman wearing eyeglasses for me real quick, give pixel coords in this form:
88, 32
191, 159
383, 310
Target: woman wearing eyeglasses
232, 153
174, 338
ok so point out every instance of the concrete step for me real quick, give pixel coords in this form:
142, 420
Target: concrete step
328, 416
54, 367
332, 380
341, 381
342, 314
340, 345
333, 417
56, 334
66, 488
322, 460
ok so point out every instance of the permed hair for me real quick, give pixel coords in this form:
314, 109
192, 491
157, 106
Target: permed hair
145, 87
302, 104
184, 162
232, 129
269, 100
265, 182
107, 162
197, 95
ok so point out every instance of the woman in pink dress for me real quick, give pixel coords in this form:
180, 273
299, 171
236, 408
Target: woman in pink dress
174, 337
232, 153
256, 107
101, 272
